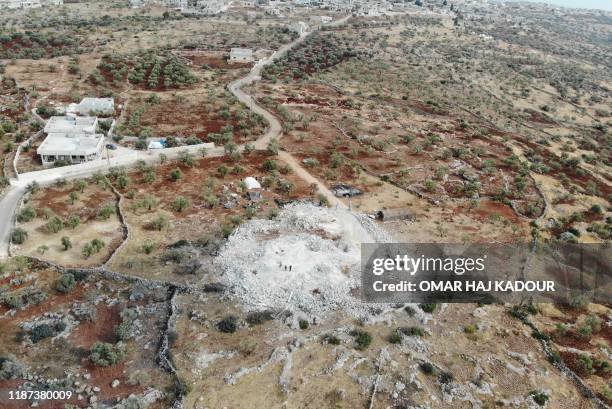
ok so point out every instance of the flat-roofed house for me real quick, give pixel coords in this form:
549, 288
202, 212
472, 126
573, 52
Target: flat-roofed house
97, 106
70, 148
320, 20
241, 55
71, 124
71, 139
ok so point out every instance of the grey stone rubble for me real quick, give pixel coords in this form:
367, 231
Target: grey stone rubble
307, 260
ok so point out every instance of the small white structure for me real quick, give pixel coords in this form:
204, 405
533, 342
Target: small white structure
155, 145
96, 106
28, 4
241, 55
71, 147
299, 27
251, 183
320, 20
71, 124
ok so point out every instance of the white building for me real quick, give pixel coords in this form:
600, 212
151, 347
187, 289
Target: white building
72, 148
96, 106
299, 27
71, 139
241, 55
320, 20
71, 124
28, 4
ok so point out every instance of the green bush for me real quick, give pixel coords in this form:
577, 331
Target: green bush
26, 215
428, 307
427, 368
228, 324
539, 397
304, 324
65, 283
103, 354
19, 236
331, 339
412, 331
363, 339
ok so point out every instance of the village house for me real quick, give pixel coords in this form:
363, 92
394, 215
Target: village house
71, 124
96, 106
320, 20
71, 140
241, 55
71, 148
28, 4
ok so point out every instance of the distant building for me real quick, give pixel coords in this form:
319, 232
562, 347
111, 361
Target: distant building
241, 55
320, 20
72, 148
137, 3
97, 106
28, 4
299, 27
71, 124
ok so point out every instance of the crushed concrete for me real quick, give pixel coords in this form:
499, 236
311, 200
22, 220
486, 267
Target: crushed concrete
307, 260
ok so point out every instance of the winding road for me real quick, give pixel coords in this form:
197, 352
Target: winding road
12, 197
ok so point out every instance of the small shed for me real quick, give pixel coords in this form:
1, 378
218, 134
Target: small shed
251, 183
388, 215
155, 145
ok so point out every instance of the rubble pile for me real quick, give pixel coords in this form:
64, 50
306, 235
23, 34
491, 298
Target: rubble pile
306, 260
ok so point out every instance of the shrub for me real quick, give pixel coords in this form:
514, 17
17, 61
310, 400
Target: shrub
331, 339
66, 243
228, 324
41, 332
445, 377
394, 338
13, 301
247, 346
428, 307
180, 203
176, 174
259, 317
19, 236
304, 324
412, 331
363, 339
160, 222
54, 225
585, 363
9, 369
539, 397
65, 283
410, 311
106, 212
469, 329
103, 354
26, 215
427, 368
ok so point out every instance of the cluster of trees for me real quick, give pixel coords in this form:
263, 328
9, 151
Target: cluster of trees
37, 45
153, 71
316, 54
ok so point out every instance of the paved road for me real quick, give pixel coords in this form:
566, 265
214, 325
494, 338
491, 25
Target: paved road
7, 209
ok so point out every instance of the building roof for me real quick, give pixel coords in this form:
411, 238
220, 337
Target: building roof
251, 183
241, 52
71, 124
93, 105
71, 144
155, 145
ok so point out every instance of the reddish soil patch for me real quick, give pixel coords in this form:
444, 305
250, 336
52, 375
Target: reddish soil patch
487, 208
102, 329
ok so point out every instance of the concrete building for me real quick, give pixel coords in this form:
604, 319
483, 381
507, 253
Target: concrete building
71, 124
241, 55
320, 20
97, 106
299, 27
28, 4
71, 139
71, 148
